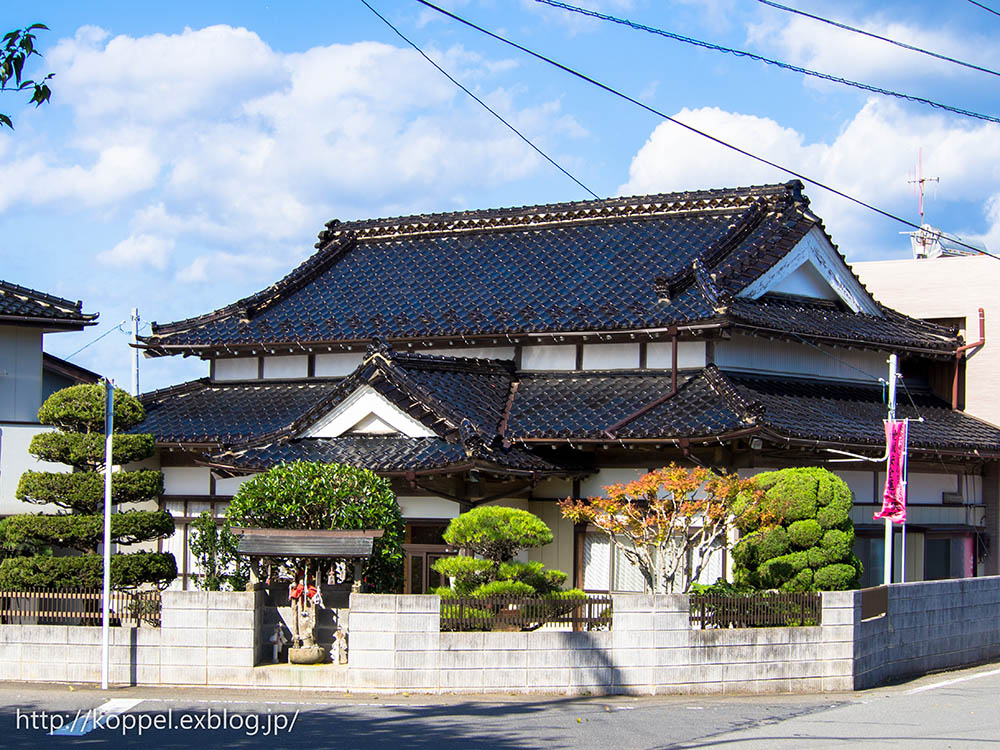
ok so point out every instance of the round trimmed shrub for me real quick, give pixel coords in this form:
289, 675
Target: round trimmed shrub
86, 451
81, 408
804, 534
83, 491
87, 571
497, 532
810, 508
837, 577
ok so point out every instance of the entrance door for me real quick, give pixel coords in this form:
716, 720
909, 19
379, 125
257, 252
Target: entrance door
420, 578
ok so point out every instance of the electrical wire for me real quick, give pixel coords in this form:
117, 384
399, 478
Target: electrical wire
990, 10
480, 101
691, 128
109, 331
771, 61
873, 35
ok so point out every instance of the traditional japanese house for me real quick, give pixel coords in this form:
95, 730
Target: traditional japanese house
523, 355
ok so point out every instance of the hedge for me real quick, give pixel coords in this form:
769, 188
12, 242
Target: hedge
86, 450
83, 491
87, 571
84, 532
81, 408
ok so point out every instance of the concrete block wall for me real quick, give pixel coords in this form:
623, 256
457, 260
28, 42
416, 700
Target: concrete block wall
396, 644
206, 639
929, 626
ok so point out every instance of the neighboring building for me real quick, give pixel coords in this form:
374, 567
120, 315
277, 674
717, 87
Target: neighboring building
28, 377
961, 291
519, 356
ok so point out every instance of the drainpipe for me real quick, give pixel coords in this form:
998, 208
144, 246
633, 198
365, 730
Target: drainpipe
961, 351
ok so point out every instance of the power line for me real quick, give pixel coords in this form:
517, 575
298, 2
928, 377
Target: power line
995, 13
691, 128
885, 39
771, 61
110, 330
481, 102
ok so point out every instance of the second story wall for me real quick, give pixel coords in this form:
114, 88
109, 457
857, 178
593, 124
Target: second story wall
756, 354
20, 373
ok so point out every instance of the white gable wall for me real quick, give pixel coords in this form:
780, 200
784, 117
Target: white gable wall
756, 354
806, 281
355, 411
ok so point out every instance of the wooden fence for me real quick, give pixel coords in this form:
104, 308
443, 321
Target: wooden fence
525, 613
78, 607
755, 610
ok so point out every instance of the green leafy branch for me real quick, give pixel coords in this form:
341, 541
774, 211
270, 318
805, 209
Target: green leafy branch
18, 47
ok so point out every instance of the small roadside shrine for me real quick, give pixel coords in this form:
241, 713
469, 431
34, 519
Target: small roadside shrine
313, 556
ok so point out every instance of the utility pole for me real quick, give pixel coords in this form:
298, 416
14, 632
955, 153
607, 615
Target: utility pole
135, 351
109, 424
887, 563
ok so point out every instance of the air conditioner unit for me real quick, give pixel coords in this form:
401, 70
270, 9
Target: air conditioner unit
952, 498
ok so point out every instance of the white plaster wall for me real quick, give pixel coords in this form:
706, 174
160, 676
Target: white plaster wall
861, 483
482, 352
546, 357
927, 488
185, 480
15, 460
337, 365
427, 507
558, 488
20, 373
558, 554
593, 486
610, 356
758, 354
228, 486
690, 355
806, 281
949, 288
236, 368
289, 366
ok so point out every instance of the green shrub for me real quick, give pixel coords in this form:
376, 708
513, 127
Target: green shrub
837, 577
809, 508
83, 491
214, 548
86, 451
804, 534
466, 573
496, 532
503, 588
84, 533
81, 408
308, 495
87, 571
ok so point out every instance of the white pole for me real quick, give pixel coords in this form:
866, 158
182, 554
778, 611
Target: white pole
887, 559
135, 351
109, 420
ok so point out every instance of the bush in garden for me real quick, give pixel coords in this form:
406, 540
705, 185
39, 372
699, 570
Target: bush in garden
310, 495
214, 548
800, 536
78, 413
497, 534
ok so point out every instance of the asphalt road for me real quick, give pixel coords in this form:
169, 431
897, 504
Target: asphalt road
949, 710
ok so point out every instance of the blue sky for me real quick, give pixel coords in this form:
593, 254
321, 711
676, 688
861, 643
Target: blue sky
192, 151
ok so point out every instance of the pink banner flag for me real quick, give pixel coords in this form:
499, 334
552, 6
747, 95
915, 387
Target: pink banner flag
894, 496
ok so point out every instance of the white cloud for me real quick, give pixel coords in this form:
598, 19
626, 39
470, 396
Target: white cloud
211, 139
828, 49
212, 267
139, 250
871, 158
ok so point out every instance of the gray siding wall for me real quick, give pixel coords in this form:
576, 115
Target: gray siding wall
20, 373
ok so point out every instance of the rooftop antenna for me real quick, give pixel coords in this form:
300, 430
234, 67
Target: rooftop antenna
925, 237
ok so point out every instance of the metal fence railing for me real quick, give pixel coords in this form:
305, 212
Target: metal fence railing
755, 610
526, 613
31, 606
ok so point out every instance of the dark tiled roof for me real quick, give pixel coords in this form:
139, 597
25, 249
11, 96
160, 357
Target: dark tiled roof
611, 265
19, 304
586, 404
819, 320
390, 455
852, 413
228, 413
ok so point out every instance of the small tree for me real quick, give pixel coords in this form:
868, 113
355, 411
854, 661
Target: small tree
669, 522
800, 537
497, 534
78, 413
309, 495
214, 548
17, 48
